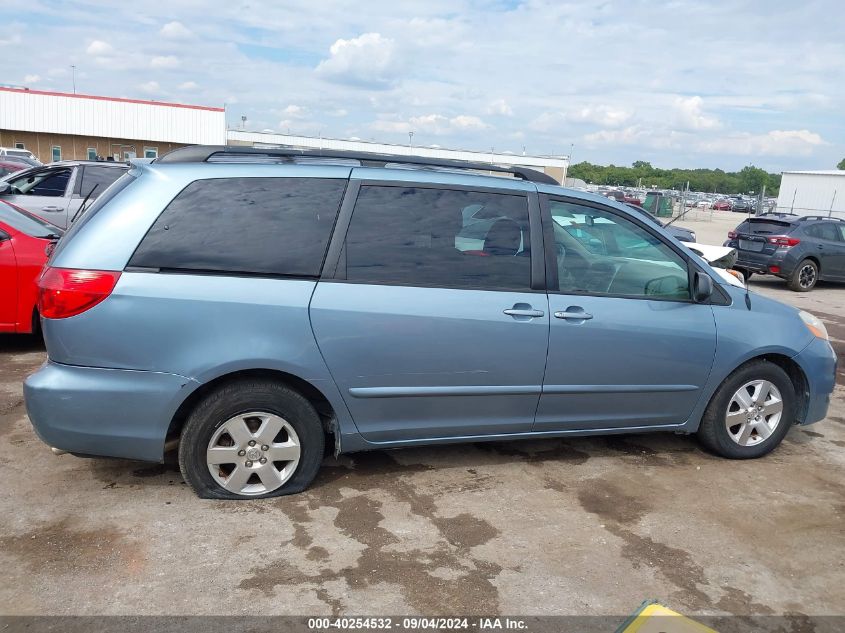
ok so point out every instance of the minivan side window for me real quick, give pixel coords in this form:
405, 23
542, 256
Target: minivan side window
266, 226
418, 236
599, 252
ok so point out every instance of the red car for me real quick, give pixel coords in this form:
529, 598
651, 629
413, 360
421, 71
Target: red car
722, 205
24, 239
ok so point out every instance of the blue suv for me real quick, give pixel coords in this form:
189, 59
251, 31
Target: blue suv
246, 308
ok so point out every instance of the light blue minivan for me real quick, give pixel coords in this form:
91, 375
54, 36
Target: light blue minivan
249, 307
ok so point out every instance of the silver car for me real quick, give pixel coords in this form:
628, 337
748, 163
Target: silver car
55, 192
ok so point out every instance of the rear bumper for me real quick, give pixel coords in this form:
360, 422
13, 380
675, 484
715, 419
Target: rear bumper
104, 412
818, 360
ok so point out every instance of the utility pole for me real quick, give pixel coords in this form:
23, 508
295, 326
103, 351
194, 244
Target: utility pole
830, 212
73, 74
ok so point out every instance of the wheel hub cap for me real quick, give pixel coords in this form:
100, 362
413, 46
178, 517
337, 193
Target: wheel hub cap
754, 412
253, 453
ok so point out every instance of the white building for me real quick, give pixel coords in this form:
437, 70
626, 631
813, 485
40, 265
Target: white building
813, 192
554, 166
56, 125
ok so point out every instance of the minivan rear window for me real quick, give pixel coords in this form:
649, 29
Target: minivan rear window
270, 226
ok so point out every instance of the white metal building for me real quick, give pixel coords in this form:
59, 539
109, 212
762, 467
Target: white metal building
555, 166
55, 125
813, 192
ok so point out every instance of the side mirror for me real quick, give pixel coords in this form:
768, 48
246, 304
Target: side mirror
5, 187
4, 236
702, 287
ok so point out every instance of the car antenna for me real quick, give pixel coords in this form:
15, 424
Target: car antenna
84, 202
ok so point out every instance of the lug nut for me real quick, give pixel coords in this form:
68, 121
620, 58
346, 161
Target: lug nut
264, 447
241, 453
248, 464
263, 460
252, 442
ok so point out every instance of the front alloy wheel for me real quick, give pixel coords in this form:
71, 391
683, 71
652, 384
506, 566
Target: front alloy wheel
754, 412
750, 412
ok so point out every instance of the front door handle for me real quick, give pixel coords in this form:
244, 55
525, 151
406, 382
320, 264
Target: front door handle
573, 315
521, 312
51, 208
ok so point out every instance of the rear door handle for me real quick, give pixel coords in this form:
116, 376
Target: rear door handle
574, 315
517, 312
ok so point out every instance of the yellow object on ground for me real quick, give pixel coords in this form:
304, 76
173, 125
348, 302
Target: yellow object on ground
655, 618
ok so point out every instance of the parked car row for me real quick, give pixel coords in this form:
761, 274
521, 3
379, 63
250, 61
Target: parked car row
56, 191
244, 307
803, 250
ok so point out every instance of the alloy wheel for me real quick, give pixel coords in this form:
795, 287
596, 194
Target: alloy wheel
754, 412
253, 453
806, 276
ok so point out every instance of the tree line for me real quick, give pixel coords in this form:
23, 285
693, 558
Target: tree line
748, 180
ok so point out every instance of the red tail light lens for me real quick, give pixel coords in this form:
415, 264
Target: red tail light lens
731, 235
783, 240
66, 292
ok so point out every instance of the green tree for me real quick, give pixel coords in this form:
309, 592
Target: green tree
841, 164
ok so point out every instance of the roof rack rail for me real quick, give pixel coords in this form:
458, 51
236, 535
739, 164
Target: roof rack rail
821, 217
202, 154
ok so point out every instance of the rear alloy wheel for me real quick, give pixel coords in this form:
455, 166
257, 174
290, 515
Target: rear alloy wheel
251, 439
750, 413
253, 453
804, 277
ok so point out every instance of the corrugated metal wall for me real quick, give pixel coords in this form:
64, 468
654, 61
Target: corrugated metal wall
32, 111
812, 193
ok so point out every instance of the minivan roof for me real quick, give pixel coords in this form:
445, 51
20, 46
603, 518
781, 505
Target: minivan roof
241, 154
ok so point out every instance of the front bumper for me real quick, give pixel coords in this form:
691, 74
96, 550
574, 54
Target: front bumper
818, 360
104, 412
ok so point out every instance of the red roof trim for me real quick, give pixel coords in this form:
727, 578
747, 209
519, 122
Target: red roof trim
117, 99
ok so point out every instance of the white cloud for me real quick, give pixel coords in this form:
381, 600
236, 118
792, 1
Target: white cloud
467, 122
500, 107
165, 61
99, 48
150, 87
176, 31
13, 39
368, 61
603, 115
31, 79
294, 111
691, 116
431, 124
773, 143
188, 86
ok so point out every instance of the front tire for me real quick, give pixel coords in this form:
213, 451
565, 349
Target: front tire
251, 439
750, 413
804, 277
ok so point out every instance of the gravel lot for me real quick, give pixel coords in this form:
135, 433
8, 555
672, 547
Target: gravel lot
580, 526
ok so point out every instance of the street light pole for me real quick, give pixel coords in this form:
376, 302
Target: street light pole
410, 139
73, 74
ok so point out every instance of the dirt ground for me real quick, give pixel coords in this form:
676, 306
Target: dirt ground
577, 526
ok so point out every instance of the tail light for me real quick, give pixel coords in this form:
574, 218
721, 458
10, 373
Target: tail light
731, 235
784, 240
66, 292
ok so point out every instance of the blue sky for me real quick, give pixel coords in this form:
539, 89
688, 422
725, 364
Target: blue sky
687, 84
